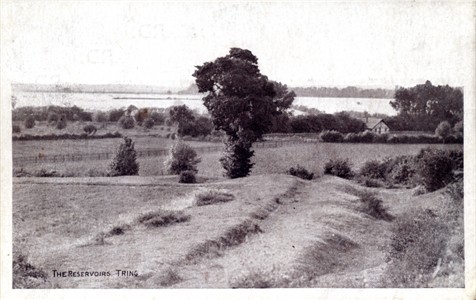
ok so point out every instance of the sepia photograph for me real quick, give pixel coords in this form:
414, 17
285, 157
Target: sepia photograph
238, 146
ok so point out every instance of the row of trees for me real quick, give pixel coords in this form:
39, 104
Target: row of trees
347, 92
424, 106
341, 122
51, 113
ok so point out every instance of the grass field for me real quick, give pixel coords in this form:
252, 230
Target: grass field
267, 161
43, 128
33, 148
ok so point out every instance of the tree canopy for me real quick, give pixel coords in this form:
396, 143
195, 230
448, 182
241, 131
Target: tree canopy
242, 103
424, 106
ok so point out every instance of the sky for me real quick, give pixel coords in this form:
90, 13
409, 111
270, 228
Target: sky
365, 44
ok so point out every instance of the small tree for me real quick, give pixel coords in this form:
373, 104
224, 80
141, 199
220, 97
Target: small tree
125, 161
52, 117
29, 122
149, 123
90, 129
443, 130
182, 157
127, 122
61, 124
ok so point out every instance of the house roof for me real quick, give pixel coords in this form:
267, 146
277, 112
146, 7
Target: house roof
372, 122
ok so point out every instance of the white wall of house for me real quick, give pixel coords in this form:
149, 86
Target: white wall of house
381, 128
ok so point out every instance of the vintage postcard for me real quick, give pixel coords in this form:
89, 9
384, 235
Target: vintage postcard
215, 149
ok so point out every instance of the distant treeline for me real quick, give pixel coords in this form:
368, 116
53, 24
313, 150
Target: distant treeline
347, 92
331, 92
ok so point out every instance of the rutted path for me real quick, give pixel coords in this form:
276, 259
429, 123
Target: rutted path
316, 212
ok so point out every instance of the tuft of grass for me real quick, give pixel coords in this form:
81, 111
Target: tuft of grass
213, 196
26, 275
169, 278
323, 257
371, 205
254, 280
162, 218
234, 236
119, 229
300, 172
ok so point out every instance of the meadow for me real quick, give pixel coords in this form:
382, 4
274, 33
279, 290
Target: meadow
267, 161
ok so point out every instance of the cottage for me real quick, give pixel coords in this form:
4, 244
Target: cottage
376, 125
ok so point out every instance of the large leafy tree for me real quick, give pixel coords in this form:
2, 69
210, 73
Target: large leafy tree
424, 106
242, 103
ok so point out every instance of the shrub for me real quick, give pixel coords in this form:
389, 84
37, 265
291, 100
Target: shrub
435, 168
162, 218
301, 172
16, 129
29, 122
187, 177
381, 138
149, 123
331, 136
52, 117
369, 182
125, 161
100, 117
61, 124
371, 205
90, 129
339, 167
373, 169
367, 137
443, 130
127, 122
418, 241
182, 157
212, 197
459, 127
403, 172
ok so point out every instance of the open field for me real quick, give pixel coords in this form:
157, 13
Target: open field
267, 161
52, 147
43, 128
277, 231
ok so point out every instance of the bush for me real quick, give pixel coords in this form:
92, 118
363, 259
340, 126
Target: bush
301, 172
125, 161
127, 122
182, 157
435, 168
149, 123
16, 129
373, 169
331, 136
443, 130
61, 124
90, 129
339, 167
187, 177
212, 197
29, 122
